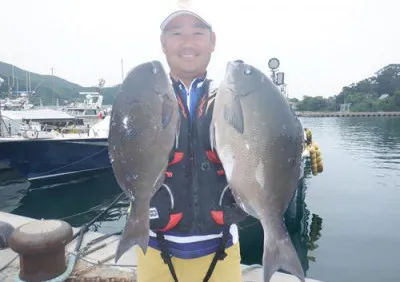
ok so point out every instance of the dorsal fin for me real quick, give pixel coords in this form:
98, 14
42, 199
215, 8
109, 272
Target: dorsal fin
212, 88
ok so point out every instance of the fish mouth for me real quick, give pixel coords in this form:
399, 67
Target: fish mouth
156, 67
233, 65
238, 66
235, 77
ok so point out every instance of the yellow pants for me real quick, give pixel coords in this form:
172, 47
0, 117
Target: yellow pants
151, 267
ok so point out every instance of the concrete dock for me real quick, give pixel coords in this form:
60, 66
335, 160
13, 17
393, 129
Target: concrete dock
99, 264
348, 114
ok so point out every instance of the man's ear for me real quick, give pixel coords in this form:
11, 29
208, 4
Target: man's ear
213, 39
162, 41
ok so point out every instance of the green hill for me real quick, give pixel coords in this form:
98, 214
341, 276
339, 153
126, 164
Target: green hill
380, 92
46, 87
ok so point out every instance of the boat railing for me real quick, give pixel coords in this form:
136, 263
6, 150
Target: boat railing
10, 128
80, 130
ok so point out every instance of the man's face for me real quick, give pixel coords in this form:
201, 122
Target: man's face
188, 45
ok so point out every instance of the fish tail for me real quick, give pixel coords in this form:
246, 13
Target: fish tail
279, 253
136, 230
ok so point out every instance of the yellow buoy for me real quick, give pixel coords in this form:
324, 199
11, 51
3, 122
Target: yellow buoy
320, 167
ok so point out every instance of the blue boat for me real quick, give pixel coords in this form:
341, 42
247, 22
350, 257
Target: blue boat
37, 158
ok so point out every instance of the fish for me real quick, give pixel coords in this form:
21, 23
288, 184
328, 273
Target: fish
259, 141
144, 125
6, 230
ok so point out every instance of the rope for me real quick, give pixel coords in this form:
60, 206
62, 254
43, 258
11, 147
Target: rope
85, 158
81, 213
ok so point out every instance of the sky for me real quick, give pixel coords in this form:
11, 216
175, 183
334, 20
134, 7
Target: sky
322, 45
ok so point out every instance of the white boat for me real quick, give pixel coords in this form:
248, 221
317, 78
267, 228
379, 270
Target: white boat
19, 102
90, 110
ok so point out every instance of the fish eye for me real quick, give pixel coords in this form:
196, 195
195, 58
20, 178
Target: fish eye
247, 71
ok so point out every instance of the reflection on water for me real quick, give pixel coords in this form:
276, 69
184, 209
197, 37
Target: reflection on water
357, 196
344, 223
76, 201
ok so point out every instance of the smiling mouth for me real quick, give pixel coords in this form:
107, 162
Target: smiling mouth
188, 56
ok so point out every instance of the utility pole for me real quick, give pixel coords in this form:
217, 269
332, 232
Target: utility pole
52, 81
122, 70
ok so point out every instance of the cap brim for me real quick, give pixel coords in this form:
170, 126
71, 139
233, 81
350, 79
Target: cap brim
179, 13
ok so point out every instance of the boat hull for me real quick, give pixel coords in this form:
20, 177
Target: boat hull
38, 159
45, 158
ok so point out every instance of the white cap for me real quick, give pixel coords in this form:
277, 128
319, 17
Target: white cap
192, 10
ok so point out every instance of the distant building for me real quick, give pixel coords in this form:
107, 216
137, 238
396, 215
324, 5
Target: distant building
383, 96
345, 107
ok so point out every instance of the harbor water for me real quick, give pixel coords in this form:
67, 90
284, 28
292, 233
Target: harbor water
344, 222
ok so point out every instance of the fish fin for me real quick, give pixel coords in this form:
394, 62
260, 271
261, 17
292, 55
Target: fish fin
233, 114
178, 132
212, 136
167, 112
136, 230
160, 179
279, 253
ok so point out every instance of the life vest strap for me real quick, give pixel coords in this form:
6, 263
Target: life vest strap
165, 255
220, 254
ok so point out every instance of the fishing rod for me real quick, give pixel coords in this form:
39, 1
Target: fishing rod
86, 226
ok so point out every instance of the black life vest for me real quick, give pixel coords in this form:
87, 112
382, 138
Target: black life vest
195, 185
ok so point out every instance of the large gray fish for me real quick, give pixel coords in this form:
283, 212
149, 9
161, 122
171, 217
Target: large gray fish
143, 128
6, 230
259, 141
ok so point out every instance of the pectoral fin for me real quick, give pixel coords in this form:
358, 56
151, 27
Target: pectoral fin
212, 136
233, 114
167, 111
178, 132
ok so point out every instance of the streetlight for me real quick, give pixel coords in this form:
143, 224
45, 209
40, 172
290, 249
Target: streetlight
278, 78
273, 63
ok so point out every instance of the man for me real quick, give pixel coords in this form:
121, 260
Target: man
193, 234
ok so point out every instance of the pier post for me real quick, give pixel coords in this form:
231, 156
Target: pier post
41, 248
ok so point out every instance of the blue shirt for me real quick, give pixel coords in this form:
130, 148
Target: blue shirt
191, 96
